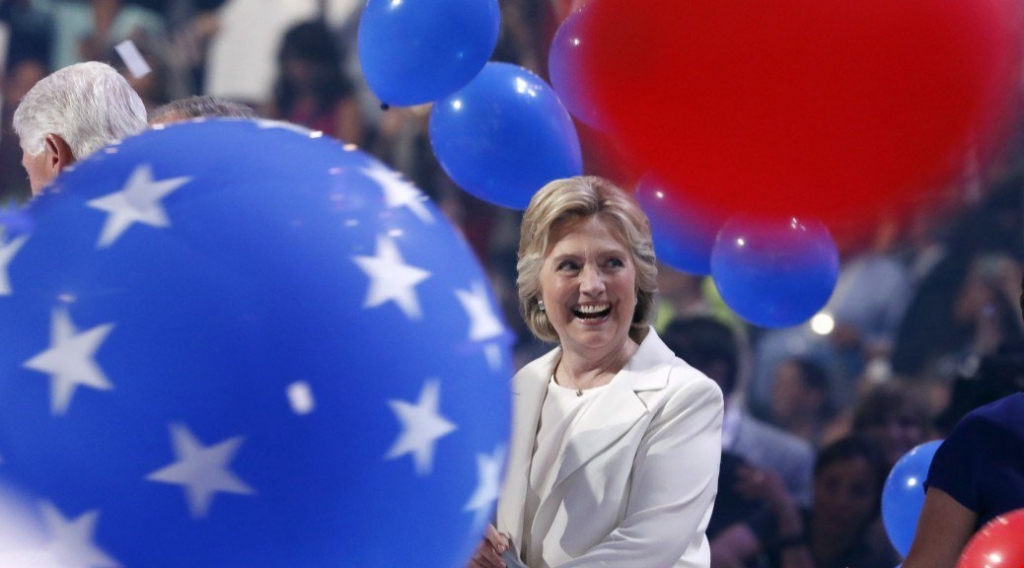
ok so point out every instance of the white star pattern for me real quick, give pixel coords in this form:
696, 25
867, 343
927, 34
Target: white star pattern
492, 352
69, 360
391, 279
70, 545
422, 427
137, 202
398, 192
7, 252
488, 487
202, 471
484, 324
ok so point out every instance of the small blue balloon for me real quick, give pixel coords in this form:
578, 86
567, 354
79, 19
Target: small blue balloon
504, 136
774, 272
683, 233
903, 495
235, 343
565, 67
419, 51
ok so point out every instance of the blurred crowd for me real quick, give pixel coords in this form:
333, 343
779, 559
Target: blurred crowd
924, 324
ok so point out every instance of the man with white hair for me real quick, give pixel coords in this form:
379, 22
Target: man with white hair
72, 113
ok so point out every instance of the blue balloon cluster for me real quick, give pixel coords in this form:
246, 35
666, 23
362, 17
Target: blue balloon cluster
233, 343
683, 233
774, 272
504, 136
903, 495
419, 51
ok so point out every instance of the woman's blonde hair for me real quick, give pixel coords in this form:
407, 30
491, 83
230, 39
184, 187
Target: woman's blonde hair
572, 199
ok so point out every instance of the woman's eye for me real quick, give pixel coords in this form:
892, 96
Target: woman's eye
567, 265
616, 263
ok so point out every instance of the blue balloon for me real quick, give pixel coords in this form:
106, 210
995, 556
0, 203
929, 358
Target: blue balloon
235, 343
903, 495
504, 136
419, 51
774, 272
683, 233
565, 67
14, 220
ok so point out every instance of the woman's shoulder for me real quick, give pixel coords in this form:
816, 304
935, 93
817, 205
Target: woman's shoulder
1006, 413
685, 379
539, 368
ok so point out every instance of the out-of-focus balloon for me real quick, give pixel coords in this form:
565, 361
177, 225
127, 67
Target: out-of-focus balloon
827, 110
684, 233
504, 136
418, 51
903, 495
997, 545
565, 61
233, 343
774, 272
22, 534
14, 221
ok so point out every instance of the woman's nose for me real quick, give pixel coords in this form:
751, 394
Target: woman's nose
591, 282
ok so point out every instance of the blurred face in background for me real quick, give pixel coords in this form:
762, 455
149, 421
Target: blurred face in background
792, 397
899, 432
845, 496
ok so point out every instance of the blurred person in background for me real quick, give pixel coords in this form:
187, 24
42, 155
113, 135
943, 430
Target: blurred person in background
893, 414
965, 305
72, 113
311, 88
835, 533
801, 399
199, 107
21, 76
714, 349
153, 87
977, 473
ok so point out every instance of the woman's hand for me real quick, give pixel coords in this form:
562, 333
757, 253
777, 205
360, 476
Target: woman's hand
488, 554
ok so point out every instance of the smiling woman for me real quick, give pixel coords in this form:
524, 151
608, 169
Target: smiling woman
616, 442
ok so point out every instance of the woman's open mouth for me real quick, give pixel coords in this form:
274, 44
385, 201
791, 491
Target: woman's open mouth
592, 311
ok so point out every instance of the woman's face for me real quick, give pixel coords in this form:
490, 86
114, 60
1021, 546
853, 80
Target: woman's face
588, 284
844, 495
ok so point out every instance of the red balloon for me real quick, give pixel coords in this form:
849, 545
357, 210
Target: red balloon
999, 544
813, 108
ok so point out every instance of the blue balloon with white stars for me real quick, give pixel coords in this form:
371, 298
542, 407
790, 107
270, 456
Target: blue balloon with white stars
238, 343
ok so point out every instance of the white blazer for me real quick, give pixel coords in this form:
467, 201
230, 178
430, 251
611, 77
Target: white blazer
638, 475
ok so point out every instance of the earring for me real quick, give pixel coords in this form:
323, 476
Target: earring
540, 305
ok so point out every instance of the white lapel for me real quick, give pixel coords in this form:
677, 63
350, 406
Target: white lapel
528, 390
617, 409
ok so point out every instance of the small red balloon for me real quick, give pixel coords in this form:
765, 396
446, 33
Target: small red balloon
999, 544
831, 110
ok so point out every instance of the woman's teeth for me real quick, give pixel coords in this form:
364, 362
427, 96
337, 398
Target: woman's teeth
592, 311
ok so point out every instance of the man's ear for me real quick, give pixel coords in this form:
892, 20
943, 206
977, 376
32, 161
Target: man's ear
58, 153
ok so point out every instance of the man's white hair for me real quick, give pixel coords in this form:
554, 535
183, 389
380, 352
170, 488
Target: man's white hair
88, 105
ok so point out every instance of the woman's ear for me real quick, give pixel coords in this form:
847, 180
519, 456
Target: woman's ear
58, 153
